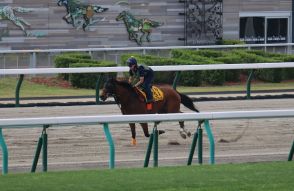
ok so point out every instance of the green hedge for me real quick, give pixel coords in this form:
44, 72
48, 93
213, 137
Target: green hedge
77, 60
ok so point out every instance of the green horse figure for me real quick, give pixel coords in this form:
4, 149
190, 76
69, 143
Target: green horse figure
8, 13
137, 28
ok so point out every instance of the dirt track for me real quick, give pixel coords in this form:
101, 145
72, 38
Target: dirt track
78, 147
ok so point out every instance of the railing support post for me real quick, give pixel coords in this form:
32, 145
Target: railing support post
155, 148
37, 154
97, 88
176, 80
4, 154
211, 141
291, 153
148, 152
192, 149
248, 84
17, 90
200, 146
45, 146
111, 146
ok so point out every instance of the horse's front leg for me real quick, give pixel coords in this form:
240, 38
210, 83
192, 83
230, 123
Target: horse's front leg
145, 129
183, 132
133, 130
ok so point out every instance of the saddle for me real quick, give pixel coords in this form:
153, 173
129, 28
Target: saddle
156, 92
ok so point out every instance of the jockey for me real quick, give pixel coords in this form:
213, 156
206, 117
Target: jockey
145, 75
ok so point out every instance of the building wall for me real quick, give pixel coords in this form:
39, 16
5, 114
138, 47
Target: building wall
46, 21
53, 32
231, 9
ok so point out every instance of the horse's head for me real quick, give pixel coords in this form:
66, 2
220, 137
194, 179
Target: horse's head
121, 16
108, 89
99, 9
62, 2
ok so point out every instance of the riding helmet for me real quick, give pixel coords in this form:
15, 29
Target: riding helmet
132, 61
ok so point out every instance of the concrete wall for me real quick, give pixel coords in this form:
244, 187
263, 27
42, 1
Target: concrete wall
46, 20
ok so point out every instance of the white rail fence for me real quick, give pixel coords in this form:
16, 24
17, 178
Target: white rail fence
176, 68
45, 57
46, 122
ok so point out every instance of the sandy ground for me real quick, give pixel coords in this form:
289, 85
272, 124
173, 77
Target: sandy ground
84, 146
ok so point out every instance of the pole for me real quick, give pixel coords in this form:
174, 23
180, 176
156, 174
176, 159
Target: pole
17, 90
193, 146
155, 150
4, 154
111, 146
148, 153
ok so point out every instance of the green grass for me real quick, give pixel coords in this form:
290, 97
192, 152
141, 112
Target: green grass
29, 89
230, 177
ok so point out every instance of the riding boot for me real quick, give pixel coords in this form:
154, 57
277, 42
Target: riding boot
149, 106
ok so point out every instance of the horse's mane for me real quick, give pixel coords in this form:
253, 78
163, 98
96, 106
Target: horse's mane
127, 86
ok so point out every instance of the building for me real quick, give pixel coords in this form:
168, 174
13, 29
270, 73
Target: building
49, 24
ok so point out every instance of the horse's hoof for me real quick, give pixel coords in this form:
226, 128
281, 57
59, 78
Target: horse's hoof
134, 142
183, 135
189, 134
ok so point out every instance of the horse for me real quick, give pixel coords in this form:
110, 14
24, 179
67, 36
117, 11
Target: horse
130, 103
8, 13
134, 26
80, 14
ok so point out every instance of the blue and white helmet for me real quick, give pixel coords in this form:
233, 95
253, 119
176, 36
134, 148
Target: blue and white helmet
131, 61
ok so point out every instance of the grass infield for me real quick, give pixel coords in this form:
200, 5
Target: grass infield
29, 89
273, 176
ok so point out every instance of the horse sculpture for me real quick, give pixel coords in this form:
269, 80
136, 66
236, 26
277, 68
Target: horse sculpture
130, 103
8, 13
80, 14
135, 26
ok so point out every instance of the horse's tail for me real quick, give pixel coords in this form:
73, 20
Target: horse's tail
188, 102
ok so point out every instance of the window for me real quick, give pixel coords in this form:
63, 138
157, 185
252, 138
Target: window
264, 27
277, 30
252, 30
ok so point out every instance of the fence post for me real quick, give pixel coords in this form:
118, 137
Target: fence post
192, 149
37, 154
248, 84
200, 145
291, 153
45, 152
149, 148
111, 146
176, 80
155, 148
97, 88
17, 90
4, 154
211, 141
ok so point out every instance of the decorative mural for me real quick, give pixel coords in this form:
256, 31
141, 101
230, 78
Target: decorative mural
138, 29
203, 21
80, 15
9, 13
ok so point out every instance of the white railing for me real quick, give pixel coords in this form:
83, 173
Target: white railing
155, 68
112, 119
113, 53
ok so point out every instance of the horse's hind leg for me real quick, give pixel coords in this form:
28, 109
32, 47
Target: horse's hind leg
183, 132
133, 130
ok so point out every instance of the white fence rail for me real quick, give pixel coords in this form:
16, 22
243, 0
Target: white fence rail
111, 119
155, 68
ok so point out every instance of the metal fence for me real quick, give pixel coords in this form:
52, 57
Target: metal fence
14, 59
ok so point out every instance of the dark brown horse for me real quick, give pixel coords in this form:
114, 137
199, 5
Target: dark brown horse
130, 103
